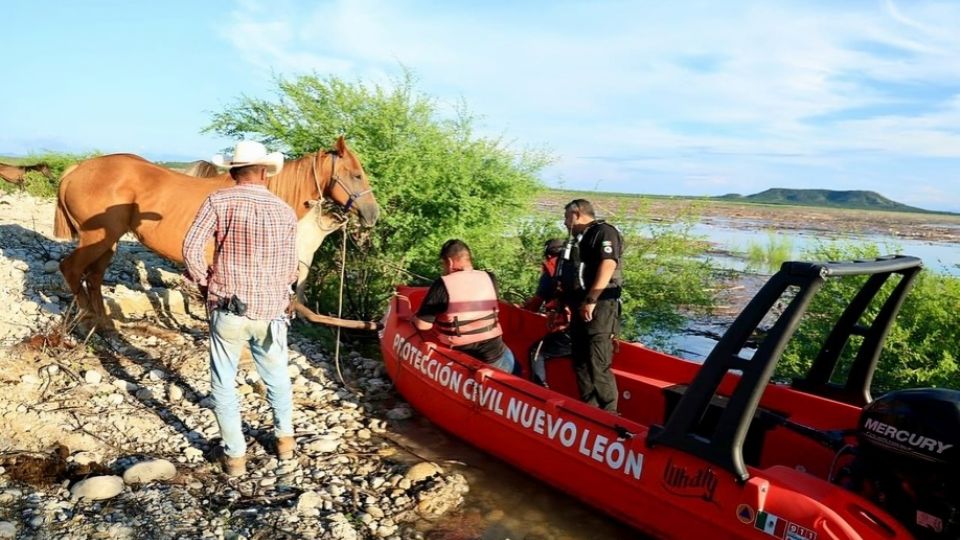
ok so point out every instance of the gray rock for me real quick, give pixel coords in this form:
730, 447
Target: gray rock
97, 488
144, 394
150, 471
51, 266
7, 530
399, 413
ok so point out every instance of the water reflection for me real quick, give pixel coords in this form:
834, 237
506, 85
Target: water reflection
504, 502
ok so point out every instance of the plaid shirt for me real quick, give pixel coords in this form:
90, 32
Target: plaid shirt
255, 256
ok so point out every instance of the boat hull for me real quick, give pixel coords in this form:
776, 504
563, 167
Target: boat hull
604, 459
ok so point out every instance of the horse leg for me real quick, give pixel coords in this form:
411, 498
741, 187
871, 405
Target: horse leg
95, 282
88, 263
74, 269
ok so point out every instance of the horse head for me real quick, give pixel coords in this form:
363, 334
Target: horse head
349, 186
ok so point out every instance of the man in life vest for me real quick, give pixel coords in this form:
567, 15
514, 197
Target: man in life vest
557, 341
592, 293
462, 307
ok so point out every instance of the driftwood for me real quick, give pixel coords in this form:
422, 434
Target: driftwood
327, 320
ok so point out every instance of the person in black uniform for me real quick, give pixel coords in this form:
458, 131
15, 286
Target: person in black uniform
593, 295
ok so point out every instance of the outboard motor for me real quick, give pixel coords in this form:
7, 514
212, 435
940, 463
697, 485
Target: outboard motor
908, 459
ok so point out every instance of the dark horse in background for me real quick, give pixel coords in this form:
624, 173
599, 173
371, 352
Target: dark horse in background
102, 198
15, 173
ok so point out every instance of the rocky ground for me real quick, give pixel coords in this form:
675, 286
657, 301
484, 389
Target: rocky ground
112, 437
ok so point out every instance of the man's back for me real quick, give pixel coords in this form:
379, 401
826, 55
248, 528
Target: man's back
255, 254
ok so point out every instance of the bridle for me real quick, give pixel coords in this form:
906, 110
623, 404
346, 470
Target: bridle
335, 179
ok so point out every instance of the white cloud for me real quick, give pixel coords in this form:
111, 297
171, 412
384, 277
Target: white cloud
613, 79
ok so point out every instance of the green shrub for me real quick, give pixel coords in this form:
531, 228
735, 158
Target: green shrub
436, 179
433, 178
921, 349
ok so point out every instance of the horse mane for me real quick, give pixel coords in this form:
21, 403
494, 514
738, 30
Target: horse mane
201, 169
295, 183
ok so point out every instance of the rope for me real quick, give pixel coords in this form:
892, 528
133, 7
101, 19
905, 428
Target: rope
343, 269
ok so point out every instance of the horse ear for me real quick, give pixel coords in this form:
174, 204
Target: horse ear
341, 146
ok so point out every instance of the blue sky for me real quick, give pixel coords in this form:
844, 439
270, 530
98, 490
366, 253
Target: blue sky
687, 97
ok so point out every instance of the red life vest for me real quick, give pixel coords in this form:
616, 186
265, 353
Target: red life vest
471, 314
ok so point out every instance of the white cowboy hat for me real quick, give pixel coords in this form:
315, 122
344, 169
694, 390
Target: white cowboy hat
251, 153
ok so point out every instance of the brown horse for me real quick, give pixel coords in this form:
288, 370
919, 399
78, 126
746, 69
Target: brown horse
102, 198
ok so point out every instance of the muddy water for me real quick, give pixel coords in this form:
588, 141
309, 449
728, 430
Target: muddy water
503, 502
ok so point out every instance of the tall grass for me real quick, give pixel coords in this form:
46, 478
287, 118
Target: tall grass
770, 254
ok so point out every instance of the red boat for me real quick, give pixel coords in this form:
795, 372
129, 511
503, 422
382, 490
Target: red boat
715, 450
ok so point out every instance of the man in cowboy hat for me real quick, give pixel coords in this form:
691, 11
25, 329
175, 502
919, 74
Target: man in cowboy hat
247, 290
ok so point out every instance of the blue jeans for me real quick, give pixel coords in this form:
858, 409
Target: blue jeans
268, 346
506, 363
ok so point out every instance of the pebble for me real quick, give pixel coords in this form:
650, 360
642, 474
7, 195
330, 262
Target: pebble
86, 458
174, 393
308, 500
192, 453
7, 530
51, 266
144, 394
323, 446
154, 470
29, 379
422, 471
97, 488
268, 481
93, 376
126, 386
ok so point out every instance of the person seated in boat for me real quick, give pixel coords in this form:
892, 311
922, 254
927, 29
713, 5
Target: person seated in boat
462, 306
557, 341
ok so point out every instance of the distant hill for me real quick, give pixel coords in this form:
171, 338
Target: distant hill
861, 200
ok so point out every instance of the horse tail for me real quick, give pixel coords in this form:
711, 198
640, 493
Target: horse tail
63, 227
